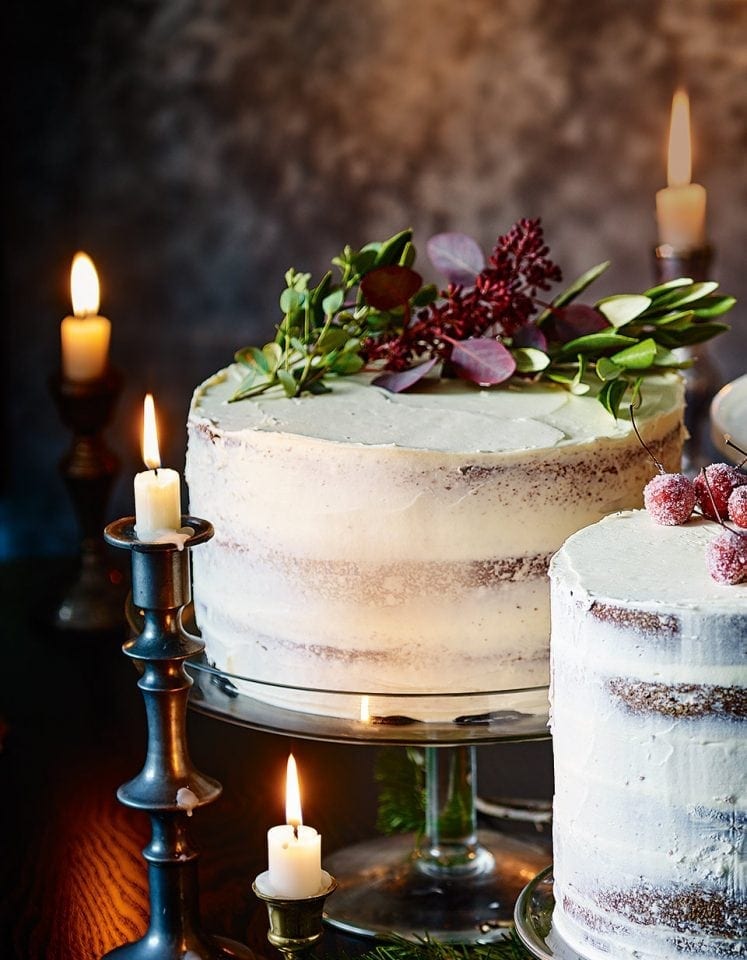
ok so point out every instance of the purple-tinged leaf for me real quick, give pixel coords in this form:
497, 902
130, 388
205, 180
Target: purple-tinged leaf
574, 321
482, 360
397, 382
530, 335
388, 287
457, 256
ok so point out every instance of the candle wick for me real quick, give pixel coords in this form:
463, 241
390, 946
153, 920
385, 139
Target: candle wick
295, 830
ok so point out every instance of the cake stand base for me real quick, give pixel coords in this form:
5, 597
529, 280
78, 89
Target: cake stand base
533, 918
382, 889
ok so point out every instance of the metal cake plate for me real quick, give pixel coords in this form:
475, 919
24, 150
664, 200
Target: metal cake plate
512, 714
533, 919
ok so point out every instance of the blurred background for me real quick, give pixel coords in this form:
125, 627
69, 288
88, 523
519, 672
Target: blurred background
197, 148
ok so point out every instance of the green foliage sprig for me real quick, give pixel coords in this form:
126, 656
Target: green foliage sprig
373, 311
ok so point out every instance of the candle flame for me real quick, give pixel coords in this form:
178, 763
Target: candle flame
292, 795
151, 455
679, 161
365, 709
84, 286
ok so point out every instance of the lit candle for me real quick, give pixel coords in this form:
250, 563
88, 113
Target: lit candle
158, 509
85, 336
294, 850
681, 206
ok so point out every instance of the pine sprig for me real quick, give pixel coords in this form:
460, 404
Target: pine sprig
400, 774
427, 948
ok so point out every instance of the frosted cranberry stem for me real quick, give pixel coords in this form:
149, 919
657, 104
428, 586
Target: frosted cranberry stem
658, 463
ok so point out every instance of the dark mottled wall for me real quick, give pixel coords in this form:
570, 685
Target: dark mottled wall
196, 148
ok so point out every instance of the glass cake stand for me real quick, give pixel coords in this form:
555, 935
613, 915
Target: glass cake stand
455, 883
533, 919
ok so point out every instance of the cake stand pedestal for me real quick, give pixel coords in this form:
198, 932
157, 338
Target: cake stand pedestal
455, 883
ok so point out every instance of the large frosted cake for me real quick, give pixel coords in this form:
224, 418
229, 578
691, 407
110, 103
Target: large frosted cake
370, 541
649, 702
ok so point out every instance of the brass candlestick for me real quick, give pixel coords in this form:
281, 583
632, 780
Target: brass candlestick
295, 924
93, 603
702, 380
168, 787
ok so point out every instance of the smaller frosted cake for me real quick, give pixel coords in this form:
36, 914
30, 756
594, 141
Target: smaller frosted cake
649, 702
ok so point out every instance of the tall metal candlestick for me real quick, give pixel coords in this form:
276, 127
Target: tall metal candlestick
168, 787
702, 380
93, 603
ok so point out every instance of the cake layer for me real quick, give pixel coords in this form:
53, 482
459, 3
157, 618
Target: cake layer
372, 541
649, 703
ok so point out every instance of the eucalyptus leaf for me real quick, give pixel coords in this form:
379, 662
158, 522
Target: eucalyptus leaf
666, 358
291, 301
672, 316
577, 287
713, 307
331, 339
529, 359
611, 394
698, 333
637, 357
346, 364
333, 301
593, 342
578, 386
607, 369
663, 288
408, 255
392, 249
621, 308
688, 294
427, 294
273, 354
288, 382
253, 382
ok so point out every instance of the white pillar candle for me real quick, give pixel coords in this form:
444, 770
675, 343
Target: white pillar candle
158, 508
681, 206
294, 851
85, 336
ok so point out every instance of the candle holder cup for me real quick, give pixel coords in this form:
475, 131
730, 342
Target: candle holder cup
93, 603
702, 380
168, 787
295, 924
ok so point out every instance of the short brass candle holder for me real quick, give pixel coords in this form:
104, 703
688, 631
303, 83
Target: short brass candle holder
168, 787
295, 924
93, 603
702, 380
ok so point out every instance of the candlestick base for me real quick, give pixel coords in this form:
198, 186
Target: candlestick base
168, 787
703, 379
93, 602
295, 924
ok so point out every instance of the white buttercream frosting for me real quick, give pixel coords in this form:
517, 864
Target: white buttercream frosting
507, 420
398, 543
649, 680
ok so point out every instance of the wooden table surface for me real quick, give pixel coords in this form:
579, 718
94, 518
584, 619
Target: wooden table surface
72, 729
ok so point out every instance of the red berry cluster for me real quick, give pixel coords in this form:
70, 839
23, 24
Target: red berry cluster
719, 492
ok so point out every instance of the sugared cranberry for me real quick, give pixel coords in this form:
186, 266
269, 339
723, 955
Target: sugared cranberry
722, 480
737, 506
669, 498
726, 557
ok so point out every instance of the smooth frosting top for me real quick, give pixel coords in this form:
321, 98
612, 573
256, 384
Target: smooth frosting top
627, 558
442, 415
